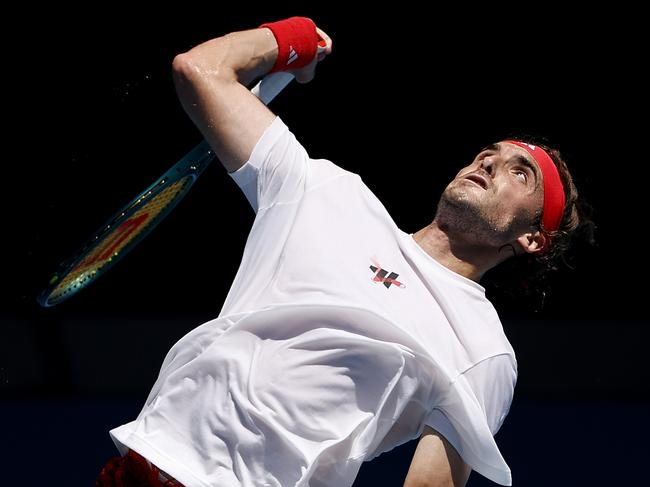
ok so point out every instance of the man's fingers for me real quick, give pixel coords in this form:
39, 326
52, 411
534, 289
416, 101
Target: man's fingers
306, 74
327, 39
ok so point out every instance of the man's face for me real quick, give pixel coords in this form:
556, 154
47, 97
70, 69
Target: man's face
497, 197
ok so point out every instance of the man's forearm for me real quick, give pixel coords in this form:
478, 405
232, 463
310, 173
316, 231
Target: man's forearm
213, 82
244, 56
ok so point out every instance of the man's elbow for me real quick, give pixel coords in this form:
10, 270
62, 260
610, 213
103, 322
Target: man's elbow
186, 66
204, 62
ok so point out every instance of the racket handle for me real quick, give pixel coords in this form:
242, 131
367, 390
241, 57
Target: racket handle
272, 84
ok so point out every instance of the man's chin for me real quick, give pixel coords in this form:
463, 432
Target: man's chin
462, 195
460, 210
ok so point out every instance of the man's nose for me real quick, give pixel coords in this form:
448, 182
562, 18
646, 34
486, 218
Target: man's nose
488, 164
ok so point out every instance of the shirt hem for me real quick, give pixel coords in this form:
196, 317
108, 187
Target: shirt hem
161, 460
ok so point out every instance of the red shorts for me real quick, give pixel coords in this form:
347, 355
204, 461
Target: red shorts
133, 470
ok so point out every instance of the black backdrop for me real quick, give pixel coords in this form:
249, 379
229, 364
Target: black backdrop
404, 100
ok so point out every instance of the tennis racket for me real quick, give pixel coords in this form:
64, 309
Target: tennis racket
122, 232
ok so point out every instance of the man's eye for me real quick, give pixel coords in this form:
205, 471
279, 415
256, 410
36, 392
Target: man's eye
521, 175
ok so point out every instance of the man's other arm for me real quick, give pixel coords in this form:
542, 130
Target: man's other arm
436, 463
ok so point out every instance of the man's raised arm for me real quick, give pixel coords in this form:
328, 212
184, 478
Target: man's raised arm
213, 80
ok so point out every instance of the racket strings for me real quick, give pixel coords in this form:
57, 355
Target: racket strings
105, 249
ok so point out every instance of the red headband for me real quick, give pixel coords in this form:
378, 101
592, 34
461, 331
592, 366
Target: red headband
553, 190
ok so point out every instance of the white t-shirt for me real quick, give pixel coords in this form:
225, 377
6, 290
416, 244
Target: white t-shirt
340, 339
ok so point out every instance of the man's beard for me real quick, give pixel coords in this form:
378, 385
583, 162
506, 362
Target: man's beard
467, 219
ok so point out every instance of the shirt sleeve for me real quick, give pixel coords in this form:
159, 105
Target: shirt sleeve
493, 381
276, 170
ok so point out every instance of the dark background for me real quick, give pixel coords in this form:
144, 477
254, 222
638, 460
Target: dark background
405, 100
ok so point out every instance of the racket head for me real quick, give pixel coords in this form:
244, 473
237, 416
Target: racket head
124, 230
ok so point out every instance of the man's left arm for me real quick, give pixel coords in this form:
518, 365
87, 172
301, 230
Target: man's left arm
436, 463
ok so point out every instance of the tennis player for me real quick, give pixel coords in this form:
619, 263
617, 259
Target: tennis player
342, 336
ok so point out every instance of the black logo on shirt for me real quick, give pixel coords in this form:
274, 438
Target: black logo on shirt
384, 277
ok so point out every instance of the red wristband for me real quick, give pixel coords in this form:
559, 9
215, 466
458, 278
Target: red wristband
297, 42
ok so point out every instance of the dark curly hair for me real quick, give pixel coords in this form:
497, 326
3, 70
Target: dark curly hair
527, 276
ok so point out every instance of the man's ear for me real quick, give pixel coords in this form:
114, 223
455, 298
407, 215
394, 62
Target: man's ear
532, 243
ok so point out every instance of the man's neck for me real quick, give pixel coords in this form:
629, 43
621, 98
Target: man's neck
463, 258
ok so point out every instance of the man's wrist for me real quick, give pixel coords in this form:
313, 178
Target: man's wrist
297, 41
